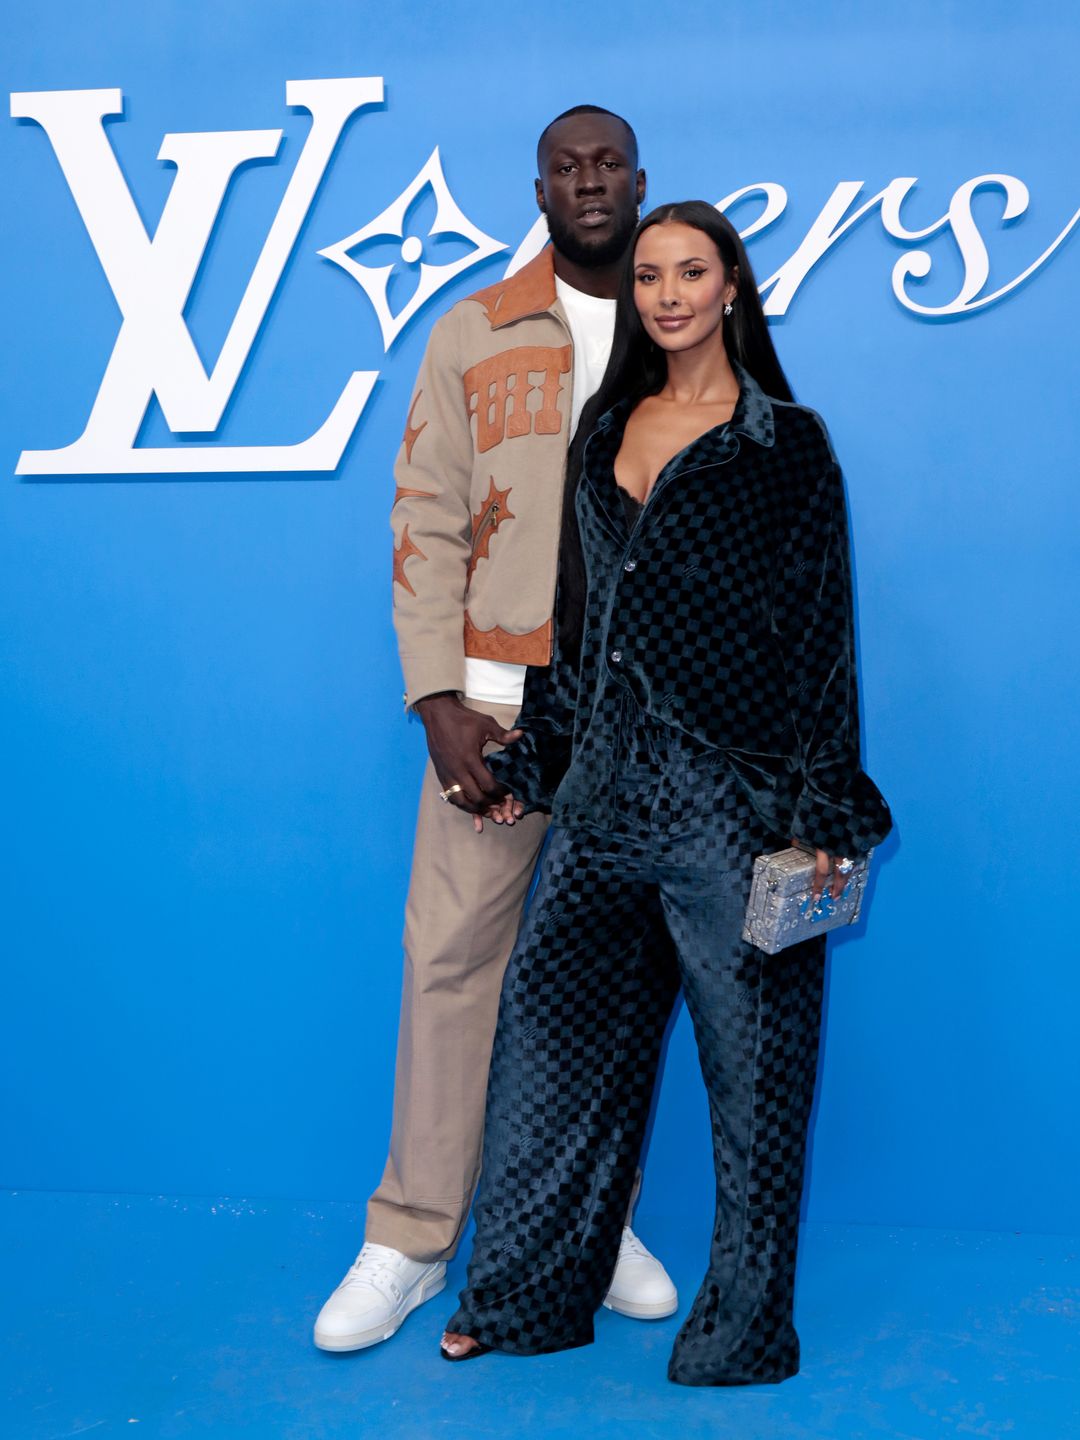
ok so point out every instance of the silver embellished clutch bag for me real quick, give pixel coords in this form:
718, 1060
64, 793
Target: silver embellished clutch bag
781, 911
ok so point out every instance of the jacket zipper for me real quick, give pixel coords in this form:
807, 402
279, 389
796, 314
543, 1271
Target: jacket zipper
488, 521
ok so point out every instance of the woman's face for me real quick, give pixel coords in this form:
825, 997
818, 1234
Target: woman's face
680, 286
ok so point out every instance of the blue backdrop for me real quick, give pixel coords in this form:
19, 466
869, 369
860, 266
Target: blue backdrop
209, 786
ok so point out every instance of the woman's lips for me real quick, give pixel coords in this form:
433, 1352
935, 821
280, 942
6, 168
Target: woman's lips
673, 322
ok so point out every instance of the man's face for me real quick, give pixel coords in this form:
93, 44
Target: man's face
589, 188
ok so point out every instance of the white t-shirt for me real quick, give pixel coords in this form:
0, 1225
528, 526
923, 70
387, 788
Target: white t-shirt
592, 326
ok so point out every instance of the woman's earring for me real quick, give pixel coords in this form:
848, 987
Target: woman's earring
728, 308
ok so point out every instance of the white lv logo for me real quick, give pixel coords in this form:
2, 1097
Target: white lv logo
151, 280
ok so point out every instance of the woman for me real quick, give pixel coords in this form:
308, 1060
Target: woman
701, 709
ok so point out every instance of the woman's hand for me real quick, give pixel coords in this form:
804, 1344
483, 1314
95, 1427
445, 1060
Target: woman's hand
504, 812
827, 872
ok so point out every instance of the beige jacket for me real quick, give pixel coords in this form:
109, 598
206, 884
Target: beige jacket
479, 484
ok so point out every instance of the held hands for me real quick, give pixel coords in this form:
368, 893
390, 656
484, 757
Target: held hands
503, 812
456, 737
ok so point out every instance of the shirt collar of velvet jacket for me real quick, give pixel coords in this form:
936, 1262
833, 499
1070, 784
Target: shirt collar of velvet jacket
752, 417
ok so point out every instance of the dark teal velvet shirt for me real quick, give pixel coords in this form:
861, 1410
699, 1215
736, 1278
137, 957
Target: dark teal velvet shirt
724, 611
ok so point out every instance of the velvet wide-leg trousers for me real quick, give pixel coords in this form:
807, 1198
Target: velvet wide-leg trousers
619, 920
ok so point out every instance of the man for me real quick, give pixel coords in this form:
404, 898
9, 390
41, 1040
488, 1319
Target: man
476, 525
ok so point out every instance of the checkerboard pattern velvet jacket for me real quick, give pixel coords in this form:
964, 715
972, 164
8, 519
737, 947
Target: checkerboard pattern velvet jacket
725, 611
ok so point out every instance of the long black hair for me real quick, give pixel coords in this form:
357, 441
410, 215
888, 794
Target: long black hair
638, 367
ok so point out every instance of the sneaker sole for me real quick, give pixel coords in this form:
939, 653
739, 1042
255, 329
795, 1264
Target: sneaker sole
640, 1310
362, 1339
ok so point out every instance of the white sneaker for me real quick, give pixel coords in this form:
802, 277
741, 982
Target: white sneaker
382, 1287
640, 1287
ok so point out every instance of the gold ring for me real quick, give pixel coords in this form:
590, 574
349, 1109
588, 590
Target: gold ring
450, 790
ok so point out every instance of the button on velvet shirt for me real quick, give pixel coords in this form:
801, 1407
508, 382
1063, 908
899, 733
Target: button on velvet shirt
725, 611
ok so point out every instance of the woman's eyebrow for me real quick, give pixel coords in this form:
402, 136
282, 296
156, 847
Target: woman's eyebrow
693, 260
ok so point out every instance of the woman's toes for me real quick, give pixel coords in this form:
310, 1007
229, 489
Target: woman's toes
457, 1344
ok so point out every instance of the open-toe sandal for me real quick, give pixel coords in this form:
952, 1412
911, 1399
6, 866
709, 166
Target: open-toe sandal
473, 1354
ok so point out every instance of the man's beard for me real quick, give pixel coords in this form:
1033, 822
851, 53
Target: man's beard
593, 256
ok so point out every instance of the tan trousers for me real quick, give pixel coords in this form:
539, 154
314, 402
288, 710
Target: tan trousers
466, 895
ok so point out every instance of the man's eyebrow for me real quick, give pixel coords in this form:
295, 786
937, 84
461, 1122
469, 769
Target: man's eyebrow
563, 152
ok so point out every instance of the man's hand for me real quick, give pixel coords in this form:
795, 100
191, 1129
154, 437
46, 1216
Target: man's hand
456, 737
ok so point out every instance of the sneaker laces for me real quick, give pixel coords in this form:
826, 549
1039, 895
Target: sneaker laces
631, 1248
376, 1268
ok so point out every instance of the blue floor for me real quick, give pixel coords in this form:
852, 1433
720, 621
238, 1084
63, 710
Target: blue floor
193, 1317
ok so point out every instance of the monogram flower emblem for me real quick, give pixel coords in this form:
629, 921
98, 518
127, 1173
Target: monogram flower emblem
404, 248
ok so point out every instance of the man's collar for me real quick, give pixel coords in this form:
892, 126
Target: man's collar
530, 291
